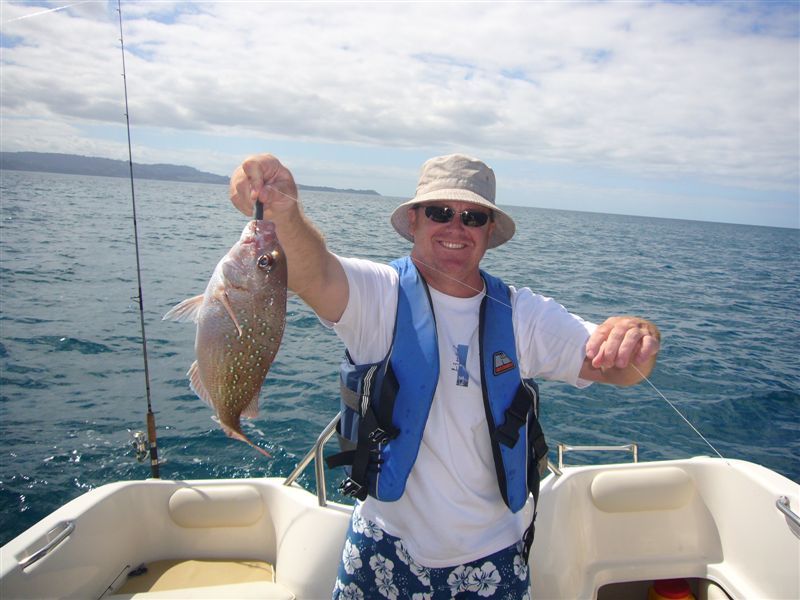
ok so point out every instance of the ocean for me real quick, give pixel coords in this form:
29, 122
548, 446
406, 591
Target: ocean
72, 386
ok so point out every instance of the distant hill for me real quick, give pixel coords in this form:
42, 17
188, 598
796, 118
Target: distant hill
105, 167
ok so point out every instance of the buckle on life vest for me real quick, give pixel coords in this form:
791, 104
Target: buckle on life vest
506, 437
508, 433
352, 488
381, 436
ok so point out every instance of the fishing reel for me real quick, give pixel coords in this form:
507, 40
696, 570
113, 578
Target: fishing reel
140, 446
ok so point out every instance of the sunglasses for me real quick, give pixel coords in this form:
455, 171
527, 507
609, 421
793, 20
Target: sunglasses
445, 214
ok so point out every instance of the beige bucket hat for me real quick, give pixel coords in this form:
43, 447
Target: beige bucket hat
456, 177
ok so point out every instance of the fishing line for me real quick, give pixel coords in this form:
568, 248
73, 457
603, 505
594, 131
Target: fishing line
477, 291
151, 419
644, 377
663, 397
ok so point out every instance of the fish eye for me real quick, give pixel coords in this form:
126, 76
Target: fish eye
265, 262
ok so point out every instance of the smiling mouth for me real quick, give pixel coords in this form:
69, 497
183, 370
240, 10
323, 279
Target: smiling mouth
452, 245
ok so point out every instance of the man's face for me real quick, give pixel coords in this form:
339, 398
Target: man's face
449, 253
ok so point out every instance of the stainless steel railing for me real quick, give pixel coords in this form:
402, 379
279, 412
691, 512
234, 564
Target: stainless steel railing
562, 449
53, 538
315, 454
783, 505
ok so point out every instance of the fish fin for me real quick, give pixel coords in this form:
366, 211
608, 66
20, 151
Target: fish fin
185, 311
251, 410
197, 385
223, 297
238, 435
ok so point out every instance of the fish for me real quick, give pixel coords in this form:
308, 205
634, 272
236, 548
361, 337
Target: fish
240, 321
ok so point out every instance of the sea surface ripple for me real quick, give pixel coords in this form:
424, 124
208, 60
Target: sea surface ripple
71, 370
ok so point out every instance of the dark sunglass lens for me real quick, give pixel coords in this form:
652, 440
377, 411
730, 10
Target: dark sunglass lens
439, 214
444, 214
474, 218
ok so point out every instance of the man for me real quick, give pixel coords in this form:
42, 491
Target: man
448, 476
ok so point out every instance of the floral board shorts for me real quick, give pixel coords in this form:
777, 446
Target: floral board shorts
376, 565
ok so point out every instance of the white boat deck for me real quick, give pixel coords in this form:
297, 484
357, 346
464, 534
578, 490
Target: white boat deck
603, 532
196, 578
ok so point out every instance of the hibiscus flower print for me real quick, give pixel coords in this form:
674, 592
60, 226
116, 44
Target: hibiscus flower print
351, 558
520, 567
402, 553
484, 580
358, 522
372, 531
457, 580
420, 572
381, 565
348, 592
383, 581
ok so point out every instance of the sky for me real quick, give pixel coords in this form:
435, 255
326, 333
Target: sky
687, 110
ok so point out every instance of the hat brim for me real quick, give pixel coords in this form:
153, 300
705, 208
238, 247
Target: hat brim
504, 226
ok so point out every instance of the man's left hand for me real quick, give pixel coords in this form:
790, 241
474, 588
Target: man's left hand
622, 350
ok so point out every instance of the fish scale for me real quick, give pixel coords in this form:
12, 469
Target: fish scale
240, 321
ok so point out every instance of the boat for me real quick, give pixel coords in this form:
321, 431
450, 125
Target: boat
727, 529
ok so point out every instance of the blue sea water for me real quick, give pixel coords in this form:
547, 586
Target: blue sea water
71, 371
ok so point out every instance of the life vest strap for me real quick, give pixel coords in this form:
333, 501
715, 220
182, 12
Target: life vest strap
374, 430
527, 538
516, 416
537, 466
340, 459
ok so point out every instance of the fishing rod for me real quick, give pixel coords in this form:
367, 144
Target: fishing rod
151, 418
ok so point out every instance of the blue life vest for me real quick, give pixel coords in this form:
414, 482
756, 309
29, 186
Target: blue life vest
385, 405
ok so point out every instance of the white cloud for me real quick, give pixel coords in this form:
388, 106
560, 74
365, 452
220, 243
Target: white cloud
706, 90
45, 135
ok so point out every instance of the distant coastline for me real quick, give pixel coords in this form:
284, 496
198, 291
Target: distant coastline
74, 164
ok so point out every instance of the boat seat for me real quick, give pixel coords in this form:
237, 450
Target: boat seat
653, 489
262, 590
204, 579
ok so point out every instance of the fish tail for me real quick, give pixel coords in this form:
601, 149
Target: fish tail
238, 435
